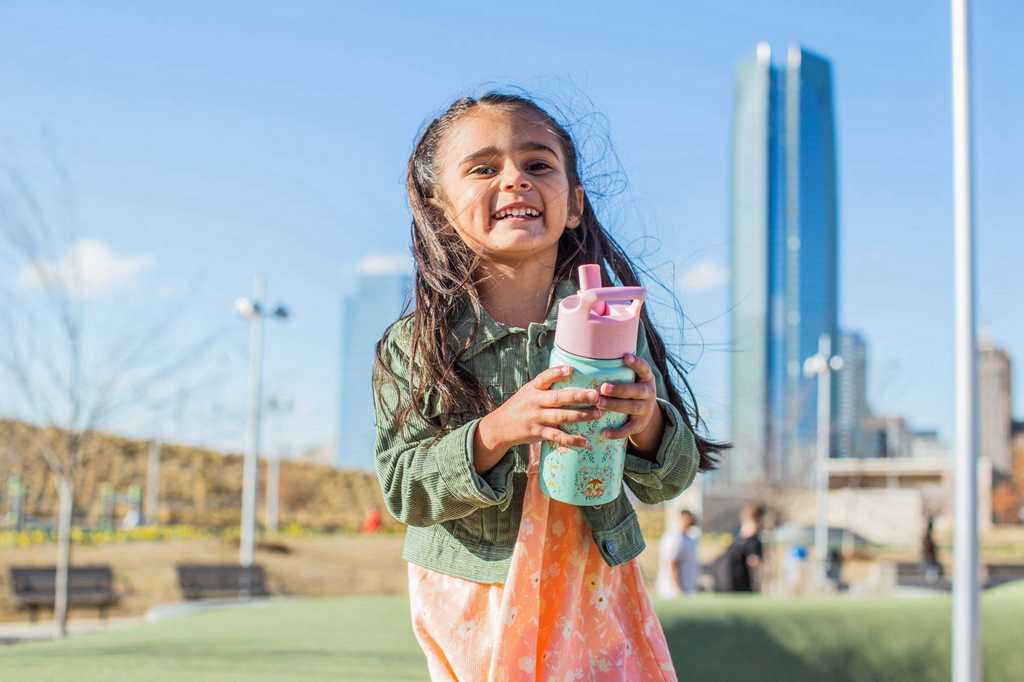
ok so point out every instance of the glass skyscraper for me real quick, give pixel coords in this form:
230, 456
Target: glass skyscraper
377, 302
784, 263
851, 387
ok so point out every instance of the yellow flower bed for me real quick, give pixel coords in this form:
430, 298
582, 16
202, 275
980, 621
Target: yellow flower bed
80, 536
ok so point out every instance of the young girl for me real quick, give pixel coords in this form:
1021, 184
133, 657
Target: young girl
505, 583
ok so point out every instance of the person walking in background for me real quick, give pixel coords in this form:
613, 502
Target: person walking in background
933, 570
738, 568
504, 582
678, 560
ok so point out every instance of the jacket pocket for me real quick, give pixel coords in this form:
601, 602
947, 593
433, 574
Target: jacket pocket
468, 528
621, 542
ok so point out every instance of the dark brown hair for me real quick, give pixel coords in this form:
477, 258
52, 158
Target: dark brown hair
446, 272
753, 511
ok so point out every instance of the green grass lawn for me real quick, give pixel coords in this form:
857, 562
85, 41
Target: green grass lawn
368, 638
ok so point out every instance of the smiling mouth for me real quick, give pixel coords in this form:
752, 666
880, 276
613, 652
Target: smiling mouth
517, 215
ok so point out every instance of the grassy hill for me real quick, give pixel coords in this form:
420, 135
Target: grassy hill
203, 487
198, 486
711, 638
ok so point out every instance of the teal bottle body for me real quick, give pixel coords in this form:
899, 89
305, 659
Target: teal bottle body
580, 476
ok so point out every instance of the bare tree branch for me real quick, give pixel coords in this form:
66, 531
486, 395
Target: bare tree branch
64, 391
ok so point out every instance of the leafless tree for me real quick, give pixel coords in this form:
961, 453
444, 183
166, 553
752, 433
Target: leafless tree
71, 368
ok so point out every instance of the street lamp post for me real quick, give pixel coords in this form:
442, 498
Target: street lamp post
278, 406
254, 310
967, 663
822, 365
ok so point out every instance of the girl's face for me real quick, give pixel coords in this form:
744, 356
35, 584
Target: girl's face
504, 186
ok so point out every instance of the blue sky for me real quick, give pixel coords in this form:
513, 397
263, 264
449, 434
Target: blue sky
208, 144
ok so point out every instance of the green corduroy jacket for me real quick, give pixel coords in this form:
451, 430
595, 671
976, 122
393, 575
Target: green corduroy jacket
465, 524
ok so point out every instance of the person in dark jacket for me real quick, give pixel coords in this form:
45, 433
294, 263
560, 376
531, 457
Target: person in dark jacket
738, 568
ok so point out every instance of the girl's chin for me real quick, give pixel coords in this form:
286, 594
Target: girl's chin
513, 248
518, 225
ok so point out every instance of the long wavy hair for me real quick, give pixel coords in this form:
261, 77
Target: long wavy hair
447, 273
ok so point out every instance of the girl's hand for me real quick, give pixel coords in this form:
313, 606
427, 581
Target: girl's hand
534, 413
640, 401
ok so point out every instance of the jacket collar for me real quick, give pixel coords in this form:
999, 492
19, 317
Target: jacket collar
491, 330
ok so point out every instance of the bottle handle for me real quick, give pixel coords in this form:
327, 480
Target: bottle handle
589, 297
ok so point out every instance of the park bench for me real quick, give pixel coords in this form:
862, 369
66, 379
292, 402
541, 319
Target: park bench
913, 574
999, 574
34, 587
221, 581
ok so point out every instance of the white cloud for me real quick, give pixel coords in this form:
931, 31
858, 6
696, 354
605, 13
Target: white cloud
703, 276
385, 264
89, 269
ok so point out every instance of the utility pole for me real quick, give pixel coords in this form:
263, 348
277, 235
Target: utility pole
151, 515
273, 482
276, 406
822, 365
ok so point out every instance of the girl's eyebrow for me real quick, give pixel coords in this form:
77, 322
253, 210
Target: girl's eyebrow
492, 150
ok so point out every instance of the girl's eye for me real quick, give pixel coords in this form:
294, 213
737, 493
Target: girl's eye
538, 166
481, 170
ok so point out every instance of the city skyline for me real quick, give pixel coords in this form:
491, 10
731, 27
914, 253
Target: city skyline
784, 287
279, 147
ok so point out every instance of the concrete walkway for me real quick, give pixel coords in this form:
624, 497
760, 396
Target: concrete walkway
16, 633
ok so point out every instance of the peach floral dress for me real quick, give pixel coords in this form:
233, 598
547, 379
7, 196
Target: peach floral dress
563, 614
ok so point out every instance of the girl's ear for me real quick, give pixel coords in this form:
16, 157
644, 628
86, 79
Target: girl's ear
576, 209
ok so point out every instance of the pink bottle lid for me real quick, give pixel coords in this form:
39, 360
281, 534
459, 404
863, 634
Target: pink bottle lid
598, 322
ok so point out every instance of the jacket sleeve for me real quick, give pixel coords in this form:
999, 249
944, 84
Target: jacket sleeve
675, 463
426, 482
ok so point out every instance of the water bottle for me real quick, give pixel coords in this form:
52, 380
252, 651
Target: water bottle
596, 327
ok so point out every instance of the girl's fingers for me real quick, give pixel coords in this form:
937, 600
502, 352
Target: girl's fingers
570, 416
631, 391
640, 366
630, 427
570, 396
625, 406
560, 437
545, 379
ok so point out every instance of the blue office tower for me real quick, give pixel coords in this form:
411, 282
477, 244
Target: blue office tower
784, 278
377, 301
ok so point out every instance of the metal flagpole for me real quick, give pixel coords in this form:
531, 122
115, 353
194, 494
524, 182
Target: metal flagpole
966, 625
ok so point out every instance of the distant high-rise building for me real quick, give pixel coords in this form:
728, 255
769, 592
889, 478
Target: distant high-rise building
887, 436
995, 405
784, 282
925, 443
851, 389
382, 288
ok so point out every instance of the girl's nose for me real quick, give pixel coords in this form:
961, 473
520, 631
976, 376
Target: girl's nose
515, 181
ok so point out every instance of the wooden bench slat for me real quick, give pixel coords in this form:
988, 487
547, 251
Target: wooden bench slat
204, 581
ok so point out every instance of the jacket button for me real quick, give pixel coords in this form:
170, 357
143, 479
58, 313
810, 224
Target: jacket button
609, 547
540, 339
